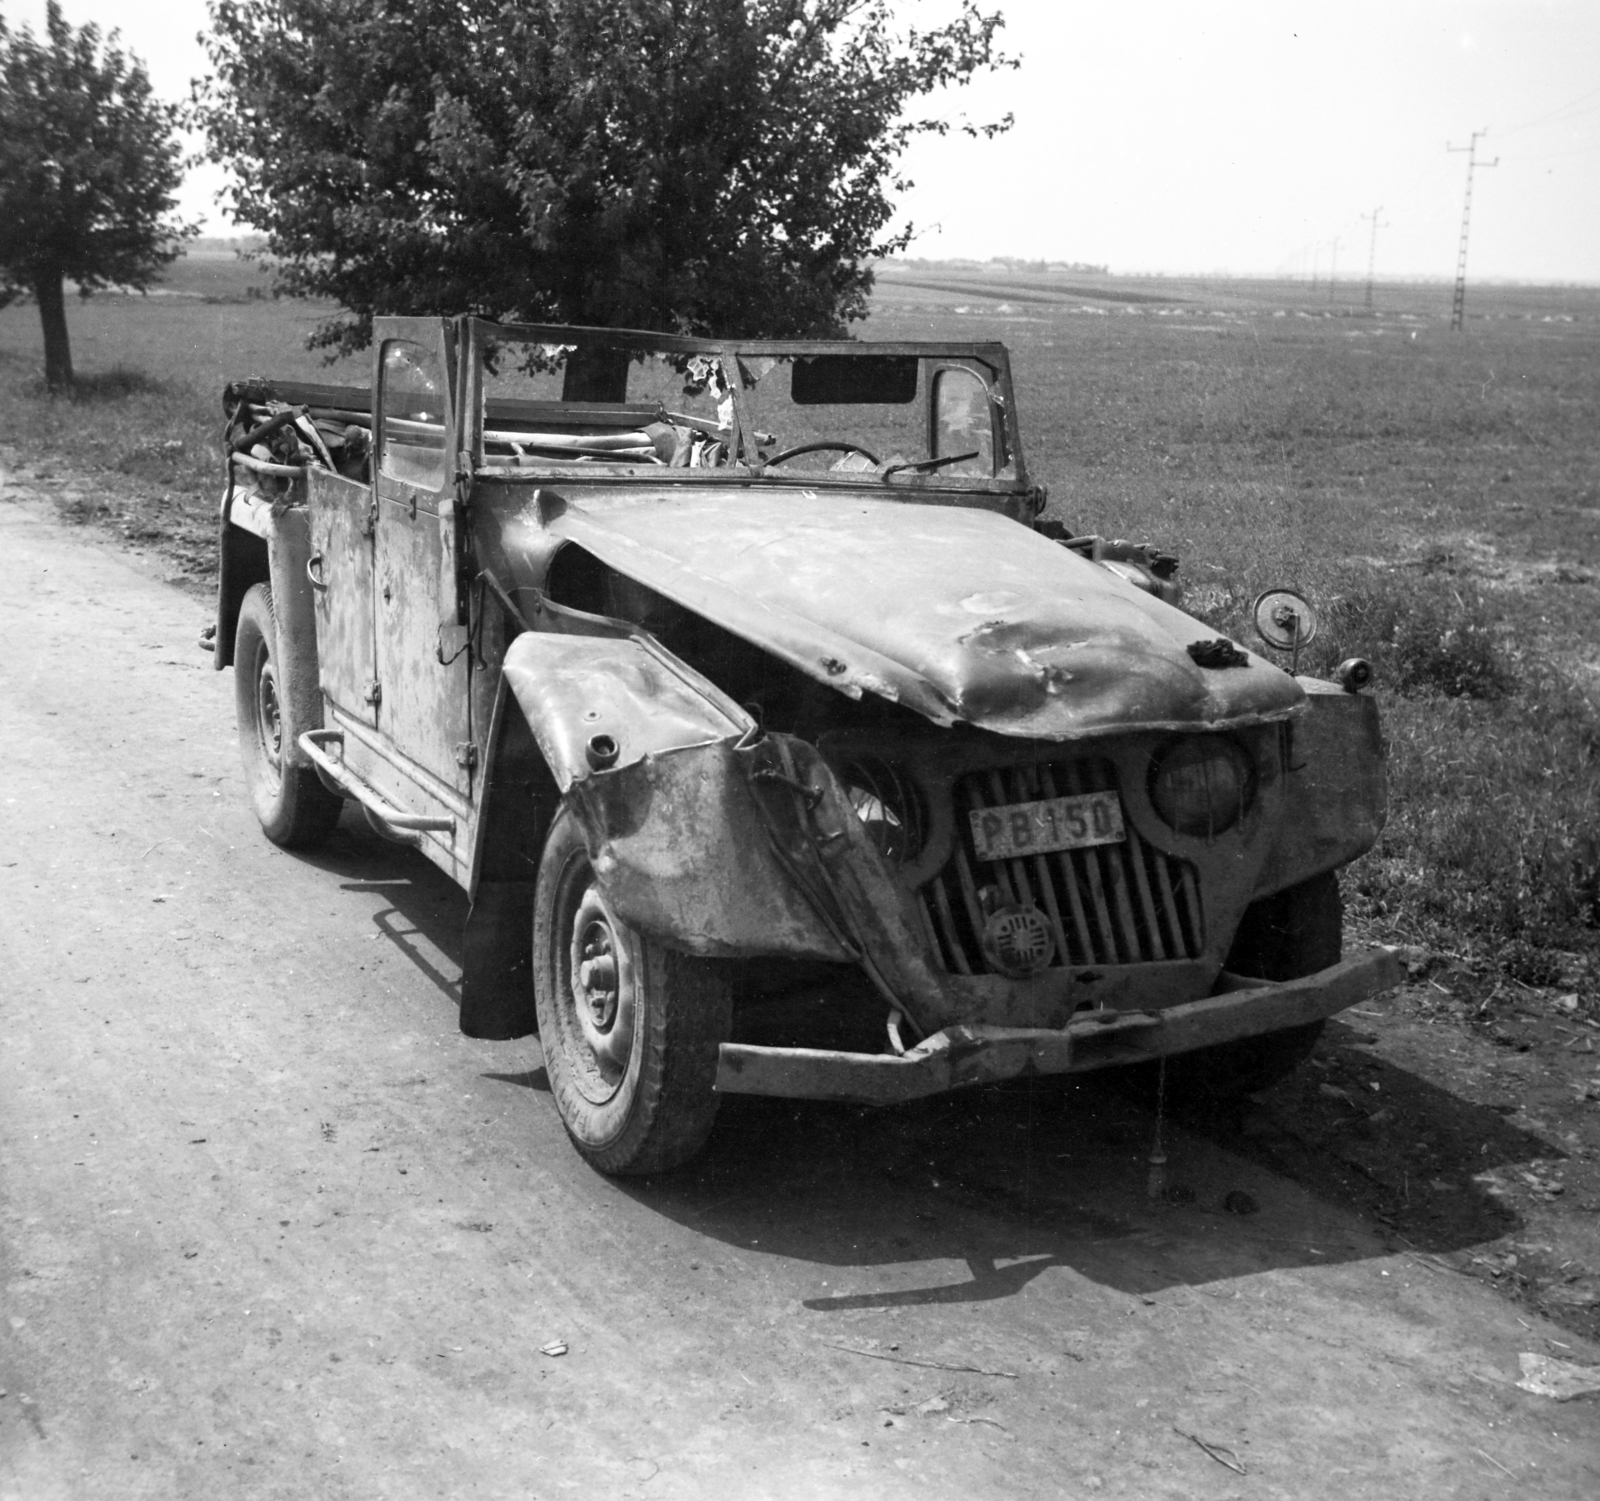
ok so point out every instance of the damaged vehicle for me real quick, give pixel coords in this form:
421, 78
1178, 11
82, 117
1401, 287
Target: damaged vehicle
778, 744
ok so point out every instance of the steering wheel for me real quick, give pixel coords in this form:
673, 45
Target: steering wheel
824, 446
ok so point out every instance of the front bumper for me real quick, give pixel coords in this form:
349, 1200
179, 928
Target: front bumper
962, 1055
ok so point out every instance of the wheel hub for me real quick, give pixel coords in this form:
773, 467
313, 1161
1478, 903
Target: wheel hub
271, 717
599, 997
596, 980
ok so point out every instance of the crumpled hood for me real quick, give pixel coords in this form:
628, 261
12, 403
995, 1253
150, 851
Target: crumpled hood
960, 614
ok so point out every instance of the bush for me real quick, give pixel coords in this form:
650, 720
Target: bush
1494, 806
1421, 635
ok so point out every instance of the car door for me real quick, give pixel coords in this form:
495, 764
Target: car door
422, 657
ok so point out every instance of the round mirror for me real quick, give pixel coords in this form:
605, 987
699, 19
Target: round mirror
1284, 620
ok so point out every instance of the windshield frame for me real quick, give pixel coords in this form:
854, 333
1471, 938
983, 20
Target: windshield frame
908, 485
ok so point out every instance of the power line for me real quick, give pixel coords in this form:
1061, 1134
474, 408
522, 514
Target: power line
1458, 305
1372, 247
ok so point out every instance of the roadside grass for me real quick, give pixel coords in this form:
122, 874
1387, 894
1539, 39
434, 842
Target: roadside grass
144, 421
1436, 495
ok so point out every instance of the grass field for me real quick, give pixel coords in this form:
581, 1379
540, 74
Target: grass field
1437, 494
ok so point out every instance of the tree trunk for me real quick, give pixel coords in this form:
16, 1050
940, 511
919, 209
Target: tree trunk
53, 317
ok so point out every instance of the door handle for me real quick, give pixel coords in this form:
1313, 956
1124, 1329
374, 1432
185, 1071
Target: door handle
314, 571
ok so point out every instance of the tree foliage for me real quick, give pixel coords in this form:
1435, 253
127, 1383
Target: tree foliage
686, 165
89, 168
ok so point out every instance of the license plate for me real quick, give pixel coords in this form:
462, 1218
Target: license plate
1055, 823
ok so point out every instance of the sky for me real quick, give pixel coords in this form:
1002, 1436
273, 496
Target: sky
1204, 136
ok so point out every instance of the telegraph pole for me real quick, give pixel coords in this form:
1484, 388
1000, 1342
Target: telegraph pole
1372, 247
1333, 270
1459, 303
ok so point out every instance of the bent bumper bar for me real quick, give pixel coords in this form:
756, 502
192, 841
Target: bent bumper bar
963, 1055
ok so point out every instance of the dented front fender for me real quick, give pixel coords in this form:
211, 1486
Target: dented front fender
653, 759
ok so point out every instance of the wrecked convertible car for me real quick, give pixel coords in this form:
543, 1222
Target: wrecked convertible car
722, 674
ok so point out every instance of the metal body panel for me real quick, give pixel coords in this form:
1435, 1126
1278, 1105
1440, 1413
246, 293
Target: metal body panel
1336, 786
294, 609
676, 839
580, 690
424, 708
341, 534
959, 614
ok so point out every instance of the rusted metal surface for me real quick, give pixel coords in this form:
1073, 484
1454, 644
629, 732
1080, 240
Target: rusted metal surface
347, 650
961, 615
424, 708
1336, 788
676, 839
579, 690
288, 547
962, 1056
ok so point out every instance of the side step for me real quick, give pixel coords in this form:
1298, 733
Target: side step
386, 819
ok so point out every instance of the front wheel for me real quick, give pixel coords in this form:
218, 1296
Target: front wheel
1283, 937
295, 810
630, 1028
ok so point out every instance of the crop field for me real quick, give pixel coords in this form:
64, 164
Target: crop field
1436, 494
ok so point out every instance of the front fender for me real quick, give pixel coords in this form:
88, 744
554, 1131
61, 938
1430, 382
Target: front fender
1336, 796
649, 755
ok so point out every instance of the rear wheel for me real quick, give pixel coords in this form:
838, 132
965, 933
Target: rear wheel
295, 810
630, 1028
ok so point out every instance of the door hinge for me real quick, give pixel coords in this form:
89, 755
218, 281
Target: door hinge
369, 522
467, 755
374, 694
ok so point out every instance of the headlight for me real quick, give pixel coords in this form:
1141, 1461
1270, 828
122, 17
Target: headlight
887, 801
1202, 786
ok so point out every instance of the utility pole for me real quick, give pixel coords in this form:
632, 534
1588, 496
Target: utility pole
1333, 270
1372, 247
1458, 305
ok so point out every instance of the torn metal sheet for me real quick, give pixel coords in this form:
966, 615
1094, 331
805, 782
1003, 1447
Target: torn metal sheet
678, 842
598, 703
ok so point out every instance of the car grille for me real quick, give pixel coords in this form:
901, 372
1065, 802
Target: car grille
1110, 904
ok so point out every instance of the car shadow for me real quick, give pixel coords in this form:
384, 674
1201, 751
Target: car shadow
1014, 1179
425, 911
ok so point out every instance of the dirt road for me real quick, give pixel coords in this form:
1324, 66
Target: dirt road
270, 1227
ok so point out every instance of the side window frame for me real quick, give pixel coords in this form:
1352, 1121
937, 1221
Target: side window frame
422, 485
999, 447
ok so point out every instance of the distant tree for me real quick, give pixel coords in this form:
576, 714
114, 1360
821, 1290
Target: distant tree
685, 165
89, 168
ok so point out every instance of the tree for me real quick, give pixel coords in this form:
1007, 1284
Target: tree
695, 166
89, 168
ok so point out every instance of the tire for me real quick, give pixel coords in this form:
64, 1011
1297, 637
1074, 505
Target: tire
1283, 937
630, 1028
295, 810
